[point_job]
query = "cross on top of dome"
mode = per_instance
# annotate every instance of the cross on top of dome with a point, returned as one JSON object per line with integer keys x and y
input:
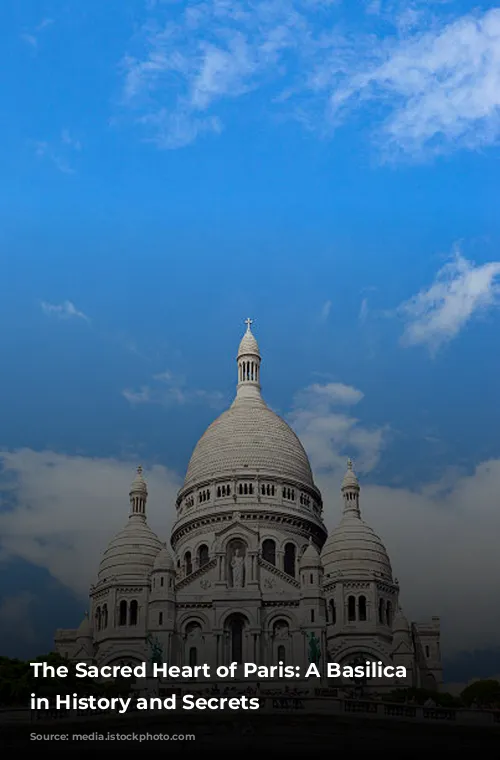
{"x": 249, "y": 323}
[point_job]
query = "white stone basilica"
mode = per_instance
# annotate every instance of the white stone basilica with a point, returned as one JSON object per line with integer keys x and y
{"x": 252, "y": 574}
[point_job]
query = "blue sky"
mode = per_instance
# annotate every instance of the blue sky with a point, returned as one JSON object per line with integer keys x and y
{"x": 329, "y": 169}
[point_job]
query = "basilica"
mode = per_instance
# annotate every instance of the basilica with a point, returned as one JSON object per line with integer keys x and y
{"x": 251, "y": 573}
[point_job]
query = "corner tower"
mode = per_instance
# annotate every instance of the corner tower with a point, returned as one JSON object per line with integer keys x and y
{"x": 361, "y": 594}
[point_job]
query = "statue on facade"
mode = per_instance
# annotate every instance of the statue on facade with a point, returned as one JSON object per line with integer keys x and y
{"x": 155, "y": 650}
{"x": 314, "y": 649}
{"x": 237, "y": 569}
{"x": 281, "y": 631}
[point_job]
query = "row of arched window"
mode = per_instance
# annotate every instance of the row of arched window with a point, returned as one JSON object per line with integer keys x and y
{"x": 202, "y": 558}
{"x": 248, "y": 371}
{"x": 268, "y": 554}
{"x": 247, "y": 489}
{"x": 101, "y": 617}
{"x": 128, "y": 614}
{"x": 289, "y": 558}
{"x": 357, "y": 610}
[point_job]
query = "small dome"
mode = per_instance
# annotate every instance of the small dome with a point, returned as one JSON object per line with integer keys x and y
{"x": 131, "y": 553}
{"x": 311, "y": 557}
{"x": 354, "y": 549}
{"x": 400, "y": 623}
{"x": 163, "y": 560}
{"x": 84, "y": 630}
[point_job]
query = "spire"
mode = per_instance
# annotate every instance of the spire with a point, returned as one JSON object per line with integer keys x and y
{"x": 138, "y": 495}
{"x": 350, "y": 491}
{"x": 248, "y": 360}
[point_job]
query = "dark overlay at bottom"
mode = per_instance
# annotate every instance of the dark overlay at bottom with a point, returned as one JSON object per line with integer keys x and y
{"x": 186, "y": 733}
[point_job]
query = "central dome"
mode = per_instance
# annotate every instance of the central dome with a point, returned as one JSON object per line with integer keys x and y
{"x": 249, "y": 435}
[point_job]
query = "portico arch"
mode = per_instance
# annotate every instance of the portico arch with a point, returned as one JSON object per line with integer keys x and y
{"x": 236, "y": 638}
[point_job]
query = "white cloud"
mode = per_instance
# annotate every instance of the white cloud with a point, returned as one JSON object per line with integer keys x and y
{"x": 434, "y": 79}
{"x": 441, "y": 87}
{"x": 167, "y": 389}
{"x": 363, "y": 310}
{"x": 32, "y": 38}
{"x": 65, "y": 310}
{"x": 66, "y": 509}
{"x": 461, "y": 289}
{"x": 59, "y": 152}
{"x": 325, "y": 310}
{"x": 16, "y": 615}
{"x": 330, "y": 436}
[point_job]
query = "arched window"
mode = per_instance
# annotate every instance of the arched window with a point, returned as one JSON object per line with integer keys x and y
{"x": 389, "y": 613}
{"x": 237, "y": 627}
{"x": 333, "y": 612}
{"x": 282, "y": 654}
{"x": 289, "y": 559}
{"x": 193, "y": 656}
{"x": 104, "y": 621}
{"x": 269, "y": 551}
{"x": 122, "y": 619}
{"x": 134, "y": 612}
{"x": 381, "y": 611}
{"x": 351, "y": 609}
{"x": 98, "y": 619}
{"x": 188, "y": 565}
{"x": 203, "y": 557}
{"x": 362, "y": 608}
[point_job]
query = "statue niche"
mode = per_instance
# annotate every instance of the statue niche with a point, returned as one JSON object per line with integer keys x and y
{"x": 281, "y": 635}
{"x": 235, "y": 563}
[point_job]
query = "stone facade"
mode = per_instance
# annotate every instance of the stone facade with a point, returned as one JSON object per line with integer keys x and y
{"x": 252, "y": 574}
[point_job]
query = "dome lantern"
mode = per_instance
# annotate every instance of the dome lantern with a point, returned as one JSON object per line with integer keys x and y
{"x": 138, "y": 495}
{"x": 248, "y": 360}
{"x": 350, "y": 491}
